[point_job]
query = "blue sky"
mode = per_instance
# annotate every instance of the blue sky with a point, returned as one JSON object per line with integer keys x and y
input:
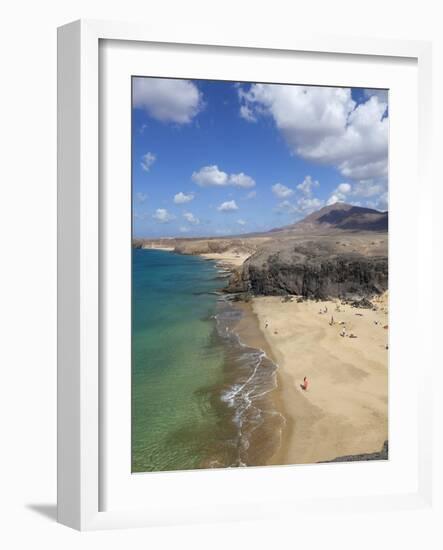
{"x": 221, "y": 158}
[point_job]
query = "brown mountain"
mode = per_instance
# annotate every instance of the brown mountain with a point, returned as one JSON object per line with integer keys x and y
{"x": 340, "y": 250}
{"x": 341, "y": 217}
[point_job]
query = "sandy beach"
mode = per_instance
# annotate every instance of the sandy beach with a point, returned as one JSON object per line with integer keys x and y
{"x": 165, "y": 248}
{"x": 345, "y": 409}
{"x": 227, "y": 259}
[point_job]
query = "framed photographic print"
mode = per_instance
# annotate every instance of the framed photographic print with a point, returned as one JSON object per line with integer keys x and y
{"x": 254, "y": 302}
{"x": 233, "y": 336}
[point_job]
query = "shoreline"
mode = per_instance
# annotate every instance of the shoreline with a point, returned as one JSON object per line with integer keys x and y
{"x": 246, "y": 329}
{"x": 226, "y": 260}
{"x": 250, "y": 334}
{"x": 164, "y": 248}
{"x": 344, "y": 412}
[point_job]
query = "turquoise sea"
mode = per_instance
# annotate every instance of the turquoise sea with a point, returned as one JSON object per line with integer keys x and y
{"x": 200, "y": 398}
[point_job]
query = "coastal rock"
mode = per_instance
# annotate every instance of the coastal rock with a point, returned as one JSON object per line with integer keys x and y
{"x": 340, "y": 251}
{"x": 383, "y": 454}
{"x": 362, "y": 303}
{"x": 312, "y": 270}
{"x": 215, "y": 246}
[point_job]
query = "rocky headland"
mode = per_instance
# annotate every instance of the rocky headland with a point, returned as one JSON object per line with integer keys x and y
{"x": 340, "y": 251}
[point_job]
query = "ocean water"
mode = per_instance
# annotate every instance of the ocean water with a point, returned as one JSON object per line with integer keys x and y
{"x": 200, "y": 398}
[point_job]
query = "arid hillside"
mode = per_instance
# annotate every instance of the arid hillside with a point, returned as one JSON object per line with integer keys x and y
{"x": 338, "y": 251}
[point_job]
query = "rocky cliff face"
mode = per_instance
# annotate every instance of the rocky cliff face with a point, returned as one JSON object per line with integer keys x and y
{"x": 203, "y": 246}
{"x": 380, "y": 455}
{"x": 339, "y": 251}
{"x": 215, "y": 246}
{"x": 312, "y": 270}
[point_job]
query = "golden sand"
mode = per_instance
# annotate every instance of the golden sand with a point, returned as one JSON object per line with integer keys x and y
{"x": 345, "y": 409}
{"x": 227, "y": 259}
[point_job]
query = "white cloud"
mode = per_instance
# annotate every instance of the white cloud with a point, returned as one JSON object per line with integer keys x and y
{"x": 167, "y": 100}
{"x": 247, "y": 113}
{"x": 340, "y": 193}
{"x": 189, "y": 217}
{"x": 241, "y": 222}
{"x": 381, "y": 94}
{"x": 306, "y": 186}
{"x": 147, "y": 161}
{"x": 370, "y": 193}
{"x": 369, "y": 188}
{"x": 325, "y": 125}
{"x": 308, "y": 205}
{"x": 344, "y": 188}
{"x": 212, "y": 176}
{"x": 228, "y": 206}
{"x": 286, "y": 206}
{"x": 373, "y": 194}
{"x": 251, "y": 195}
{"x": 380, "y": 203}
{"x": 183, "y": 229}
{"x": 182, "y": 198}
{"x": 304, "y": 206}
{"x": 281, "y": 191}
{"x": 241, "y": 180}
{"x": 163, "y": 216}
{"x": 141, "y": 197}
{"x": 333, "y": 199}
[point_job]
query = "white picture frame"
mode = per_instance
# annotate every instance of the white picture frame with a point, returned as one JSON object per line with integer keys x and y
{"x": 79, "y": 261}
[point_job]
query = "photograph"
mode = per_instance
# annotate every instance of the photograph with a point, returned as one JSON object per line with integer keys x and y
{"x": 260, "y": 299}
{"x": 225, "y": 330}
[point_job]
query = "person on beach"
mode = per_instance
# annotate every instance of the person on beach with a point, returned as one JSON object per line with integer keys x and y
{"x": 305, "y": 384}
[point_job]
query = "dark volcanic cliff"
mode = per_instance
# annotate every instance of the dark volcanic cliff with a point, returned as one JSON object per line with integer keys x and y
{"x": 318, "y": 268}
{"x": 339, "y": 251}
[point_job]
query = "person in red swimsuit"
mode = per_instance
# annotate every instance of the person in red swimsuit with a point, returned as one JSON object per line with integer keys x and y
{"x": 305, "y": 384}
